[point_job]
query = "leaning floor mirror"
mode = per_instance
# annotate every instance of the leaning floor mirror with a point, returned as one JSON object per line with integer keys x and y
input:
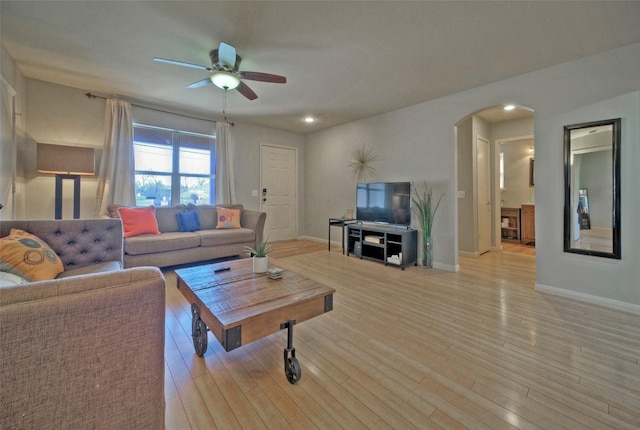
{"x": 592, "y": 188}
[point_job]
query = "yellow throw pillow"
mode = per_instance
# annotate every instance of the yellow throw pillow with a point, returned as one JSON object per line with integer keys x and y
{"x": 28, "y": 256}
{"x": 228, "y": 218}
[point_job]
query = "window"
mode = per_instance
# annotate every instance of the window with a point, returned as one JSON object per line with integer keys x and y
{"x": 173, "y": 167}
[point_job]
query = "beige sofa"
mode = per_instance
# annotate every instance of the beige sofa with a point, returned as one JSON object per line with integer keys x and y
{"x": 173, "y": 247}
{"x": 85, "y": 350}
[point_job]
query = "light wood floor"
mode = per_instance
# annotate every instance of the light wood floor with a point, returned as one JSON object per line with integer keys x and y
{"x": 478, "y": 349}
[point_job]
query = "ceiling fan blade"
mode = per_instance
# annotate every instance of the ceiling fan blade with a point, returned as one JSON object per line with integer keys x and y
{"x": 199, "y": 84}
{"x": 227, "y": 55}
{"x": 263, "y": 77}
{"x": 246, "y": 91}
{"x": 182, "y": 64}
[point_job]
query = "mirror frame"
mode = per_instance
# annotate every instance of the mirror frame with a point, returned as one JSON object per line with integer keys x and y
{"x": 615, "y": 149}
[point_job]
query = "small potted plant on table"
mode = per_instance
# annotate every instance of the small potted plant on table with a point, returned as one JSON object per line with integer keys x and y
{"x": 260, "y": 257}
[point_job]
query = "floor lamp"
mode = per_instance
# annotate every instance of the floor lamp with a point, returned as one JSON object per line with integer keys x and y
{"x": 66, "y": 162}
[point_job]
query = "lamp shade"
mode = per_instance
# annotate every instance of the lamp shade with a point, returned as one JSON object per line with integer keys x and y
{"x": 225, "y": 80}
{"x": 73, "y": 160}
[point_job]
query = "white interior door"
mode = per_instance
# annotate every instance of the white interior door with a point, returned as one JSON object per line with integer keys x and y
{"x": 484, "y": 196}
{"x": 278, "y": 191}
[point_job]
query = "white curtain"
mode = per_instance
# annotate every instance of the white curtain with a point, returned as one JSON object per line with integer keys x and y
{"x": 116, "y": 180}
{"x": 225, "y": 186}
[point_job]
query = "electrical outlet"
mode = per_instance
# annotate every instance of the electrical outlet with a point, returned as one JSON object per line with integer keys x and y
{"x": 462, "y": 194}
{"x": 254, "y": 193}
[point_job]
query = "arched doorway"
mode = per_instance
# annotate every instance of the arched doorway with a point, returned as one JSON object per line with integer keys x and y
{"x": 495, "y": 148}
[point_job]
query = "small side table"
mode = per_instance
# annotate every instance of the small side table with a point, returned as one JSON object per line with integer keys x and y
{"x": 338, "y": 222}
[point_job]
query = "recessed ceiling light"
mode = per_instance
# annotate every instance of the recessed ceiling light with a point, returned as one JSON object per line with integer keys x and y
{"x": 309, "y": 119}
{"x": 509, "y": 107}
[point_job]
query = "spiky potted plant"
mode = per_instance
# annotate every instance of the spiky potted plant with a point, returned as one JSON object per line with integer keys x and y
{"x": 260, "y": 255}
{"x": 425, "y": 209}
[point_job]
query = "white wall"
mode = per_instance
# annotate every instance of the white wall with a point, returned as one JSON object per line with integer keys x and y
{"x": 577, "y": 274}
{"x": 408, "y": 148}
{"x": 248, "y": 139}
{"x": 596, "y": 177}
{"x": 516, "y": 173}
{"x": 418, "y": 143}
{"x": 64, "y": 115}
{"x": 466, "y": 184}
{"x": 13, "y": 92}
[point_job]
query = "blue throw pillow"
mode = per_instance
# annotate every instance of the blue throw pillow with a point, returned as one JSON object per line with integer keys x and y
{"x": 188, "y": 221}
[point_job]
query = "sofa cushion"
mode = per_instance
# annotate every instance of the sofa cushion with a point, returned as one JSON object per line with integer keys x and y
{"x": 28, "y": 256}
{"x": 188, "y": 221}
{"x": 137, "y": 221}
{"x": 208, "y": 214}
{"x": 8, "y": 279}
{"x": 166, "y": 216}
{"x": 226, "y": 236}
{"x": 228, "y": 218}
{"x": 173, "y": 241}
{"x": 106, "y": 266}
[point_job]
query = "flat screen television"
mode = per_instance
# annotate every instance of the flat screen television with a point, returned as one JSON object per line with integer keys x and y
{"x": 384, "y": 202}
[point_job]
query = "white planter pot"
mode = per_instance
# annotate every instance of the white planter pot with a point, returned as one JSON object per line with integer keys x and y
{"x": 260, "y": 264}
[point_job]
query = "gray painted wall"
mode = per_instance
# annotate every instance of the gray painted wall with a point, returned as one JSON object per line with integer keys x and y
{"x": 419, "y": 142}
{"x": 9, "y": 172}
{"x": 63, "y": 115}
{"x": 596, "y": 177}
{"x": 516, "y": 174}
{"x": 466, "y": 183}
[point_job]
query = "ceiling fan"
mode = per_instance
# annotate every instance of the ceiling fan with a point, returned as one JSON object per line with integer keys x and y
{"x": 225, "y": 73}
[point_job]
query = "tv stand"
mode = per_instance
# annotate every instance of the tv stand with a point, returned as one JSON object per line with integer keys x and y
{"x": 391, "y": 245}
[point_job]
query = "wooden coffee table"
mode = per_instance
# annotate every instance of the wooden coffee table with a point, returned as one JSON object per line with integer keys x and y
{"x": 239, "y": 306}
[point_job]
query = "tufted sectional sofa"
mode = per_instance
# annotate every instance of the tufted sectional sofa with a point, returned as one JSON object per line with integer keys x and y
{"x": 85, "y": 350}
{"x": 84, "y": 246}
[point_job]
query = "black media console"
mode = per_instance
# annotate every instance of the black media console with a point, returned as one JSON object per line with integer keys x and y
{"x": 395, "y": 245}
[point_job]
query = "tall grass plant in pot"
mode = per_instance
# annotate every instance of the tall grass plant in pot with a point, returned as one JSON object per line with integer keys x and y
{"x": 260, "y": 255}
{"x": 425, "y": 208}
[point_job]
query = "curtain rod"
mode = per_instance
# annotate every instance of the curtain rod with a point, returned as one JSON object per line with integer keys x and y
{"x": 95, "y": 96}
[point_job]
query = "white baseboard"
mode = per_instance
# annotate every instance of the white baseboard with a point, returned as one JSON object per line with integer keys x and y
{"x": 446, "y": 267}
{"x": 469, "y": 254}
{"x": 588, "y": 298}
{"x": 317, "y": 239}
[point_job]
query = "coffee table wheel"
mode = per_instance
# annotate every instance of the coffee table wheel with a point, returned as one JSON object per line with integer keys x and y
{"x": 292, "y": 370}
{"x": 200, "y": 338}
{"x": 198, "y": 332}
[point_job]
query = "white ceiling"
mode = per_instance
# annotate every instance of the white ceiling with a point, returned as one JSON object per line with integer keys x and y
{"x": 344, "y": 60}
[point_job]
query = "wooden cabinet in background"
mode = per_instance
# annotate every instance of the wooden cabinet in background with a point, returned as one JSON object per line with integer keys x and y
{"x": 510, "y": 224}
{"x": 528, "y": 225}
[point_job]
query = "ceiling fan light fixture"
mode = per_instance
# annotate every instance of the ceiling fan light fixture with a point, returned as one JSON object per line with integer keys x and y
{"x": 225, "y": 80}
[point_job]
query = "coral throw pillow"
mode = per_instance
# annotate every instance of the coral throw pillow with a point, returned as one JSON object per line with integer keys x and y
{"x": 228, "y": 218}
{"x": 137, "y": 221}
{"x": 28, "y": 256}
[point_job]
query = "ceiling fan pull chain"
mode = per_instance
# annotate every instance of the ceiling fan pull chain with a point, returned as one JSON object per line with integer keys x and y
{"x": 224, "y": 104}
